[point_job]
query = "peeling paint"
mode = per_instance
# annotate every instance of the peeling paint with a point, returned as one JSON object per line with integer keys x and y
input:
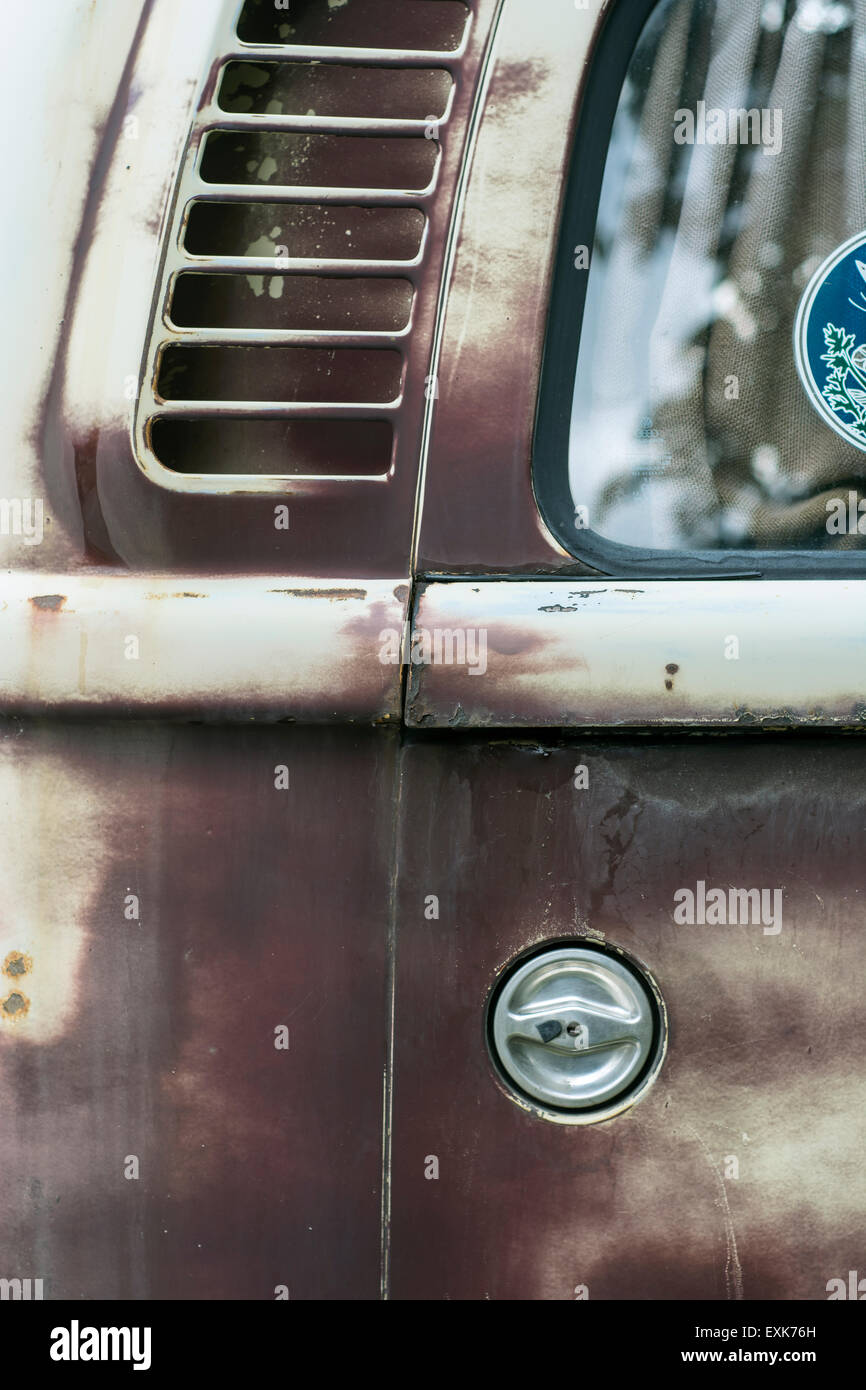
{"x": 17, "y": 963}
{"x": 14, "y": 1007}
{"x": 608, "y": 663}
{"x": 336, "y": 595}
{"x": 51, "y": 603}
{"x": 232, "y": 647}
{"x": 183, "y": 593}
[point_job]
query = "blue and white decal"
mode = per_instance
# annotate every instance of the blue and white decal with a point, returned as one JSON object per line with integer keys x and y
{"x": 830, "y": 340}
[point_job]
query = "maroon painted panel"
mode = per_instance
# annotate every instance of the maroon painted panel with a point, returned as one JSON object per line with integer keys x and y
{"x": 764, "y": 1073}
{"x": 496, "y": 313}
{"x": 97, "y": 495}
{"x": 155, "y": 1038}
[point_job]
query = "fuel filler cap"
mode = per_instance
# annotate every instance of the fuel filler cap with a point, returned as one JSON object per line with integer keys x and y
{"x": 578, "y": 1029}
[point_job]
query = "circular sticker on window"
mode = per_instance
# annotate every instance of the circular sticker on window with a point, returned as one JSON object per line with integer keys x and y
{"x": 830, "y": 340}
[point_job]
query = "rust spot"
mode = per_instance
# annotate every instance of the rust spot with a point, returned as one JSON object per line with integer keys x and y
{"x": 669, "y": 685}
{"x": 180, "y": 593}
{"x": 14, "y": 1006}
{"x": 16, "y": 963}
{"x": 50, "y": 602}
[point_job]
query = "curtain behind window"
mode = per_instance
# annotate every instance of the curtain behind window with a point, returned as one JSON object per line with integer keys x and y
{"x": 691, "y": 428}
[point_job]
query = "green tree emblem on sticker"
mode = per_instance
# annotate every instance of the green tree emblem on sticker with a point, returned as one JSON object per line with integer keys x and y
{"x": 845, "y": 385}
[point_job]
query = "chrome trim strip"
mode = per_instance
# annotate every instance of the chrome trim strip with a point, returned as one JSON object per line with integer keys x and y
{"x": 217, "y": 119}
{"x": 315, "y": 410}
{"x": 195, "y": 187}
{"x": 288, "y": 265}
{"x": 310, "y": 193}
{"x": 322, "y": 53}
{"x": 301, "y": 337}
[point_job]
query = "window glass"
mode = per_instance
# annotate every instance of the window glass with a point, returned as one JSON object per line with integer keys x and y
{"x": 720, "y": 389}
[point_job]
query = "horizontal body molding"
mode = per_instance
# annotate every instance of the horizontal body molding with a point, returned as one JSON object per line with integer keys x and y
{"x": 626, "y": 653}
{"x": 215, "y": 649}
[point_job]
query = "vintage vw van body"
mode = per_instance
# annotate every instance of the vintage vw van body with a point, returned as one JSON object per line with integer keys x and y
{"x": 432, "y": 798}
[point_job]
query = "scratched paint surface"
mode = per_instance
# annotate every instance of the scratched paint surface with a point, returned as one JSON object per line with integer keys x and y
{"x": 77, "y": 454}
{"x": 766, "y": 1031}
{"x": 498, "y": 299}
{"x": 154, "y": 1037}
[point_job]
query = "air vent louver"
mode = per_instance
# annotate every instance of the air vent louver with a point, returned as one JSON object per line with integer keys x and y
{"x": 436, "y": 25}
{"x": 292, "y": 271}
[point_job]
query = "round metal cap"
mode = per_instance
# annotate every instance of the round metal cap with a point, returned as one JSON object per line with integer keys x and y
{"x": 575, "y": 1029}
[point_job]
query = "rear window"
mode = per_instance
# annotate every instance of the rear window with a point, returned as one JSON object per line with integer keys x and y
{"x": 703, "y": 399}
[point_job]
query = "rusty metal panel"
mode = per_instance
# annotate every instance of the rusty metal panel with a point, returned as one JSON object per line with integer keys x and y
{"x": 633, "y": 653}
{"x": 74, "y": 450}
{"x": 166, "y": 906}
{"x": 490, "y": 348}
{"x": 739, "y": 1175}
{"x": 103, "y": 96}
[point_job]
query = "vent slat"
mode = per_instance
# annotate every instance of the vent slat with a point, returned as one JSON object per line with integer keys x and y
{"x": 384, "y": 58}
{"x": 306, "y": 410}
{"x": 294, "y": 337}
{"x": 299, "y": 193}
{"x": 214, "y": 120}
{"x": 273, "y": 265}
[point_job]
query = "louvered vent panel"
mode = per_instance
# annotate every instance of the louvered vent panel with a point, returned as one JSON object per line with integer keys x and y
{"x": 288, "y": 298}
